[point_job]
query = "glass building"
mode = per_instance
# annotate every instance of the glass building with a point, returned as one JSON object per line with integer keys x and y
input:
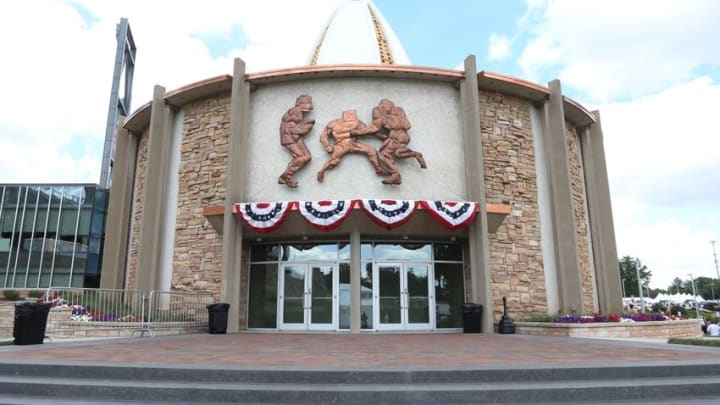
{"x": 51, "y": 235}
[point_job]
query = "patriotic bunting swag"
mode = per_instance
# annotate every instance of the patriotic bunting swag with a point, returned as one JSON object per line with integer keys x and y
{"x": 325, "y": 215}
{"x": 263, "y": 217}
{"x": 389, "y": 213}
{"x": 451, "y": 214}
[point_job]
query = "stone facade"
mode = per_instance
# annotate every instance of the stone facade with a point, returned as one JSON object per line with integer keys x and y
{"x": 582, "y": 226}
{"x": 197, "y": 259}
{"x": 510, "y": 178}
{"x": 138, "y": 194}
{"x": 658, "y": 329}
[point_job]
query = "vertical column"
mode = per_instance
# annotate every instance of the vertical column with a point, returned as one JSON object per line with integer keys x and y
{"x": 563, "y": 214}
{"x": 355, "y": 298}
{"x": 114, "y": 259}
{"x": 151, "y": 223}
{"x": 234, "y": 192}
{"x": 475, "y": 184}
{"x": 602, "y": 230}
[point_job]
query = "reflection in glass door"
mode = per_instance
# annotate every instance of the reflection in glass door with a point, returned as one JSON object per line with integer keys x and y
{"x": 403, "y": 298}
{"x": 308, "y": 298}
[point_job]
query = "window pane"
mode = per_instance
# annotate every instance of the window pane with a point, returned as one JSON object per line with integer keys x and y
{"x": 344, "y": 298}
{"x": 448, "y": 252}
{"x": 264, "y": 253}
{"x": 262, "y": 305}
{"x": 449, "y": 294}
{"x": 297, "y": 252}
{"x": 366, "y": 299}
{"x": 403, "y": 251}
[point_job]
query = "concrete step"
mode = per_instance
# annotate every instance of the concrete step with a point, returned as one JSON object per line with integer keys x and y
{"x": 98, "y": 384}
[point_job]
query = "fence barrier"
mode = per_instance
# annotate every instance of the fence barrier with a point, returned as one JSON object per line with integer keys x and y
{"x": 88, "y": 312}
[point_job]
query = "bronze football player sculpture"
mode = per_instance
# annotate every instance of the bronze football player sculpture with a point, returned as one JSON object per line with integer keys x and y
{"x": 391, "y": 123}
{"x": 340, "y": 129}
{"x": 292, "y": 130}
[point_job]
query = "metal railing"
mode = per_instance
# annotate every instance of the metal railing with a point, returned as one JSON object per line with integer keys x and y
{"x": 94, "y": 312}
{"x": 86, "y": 311}
{"x": 169, "y": 309}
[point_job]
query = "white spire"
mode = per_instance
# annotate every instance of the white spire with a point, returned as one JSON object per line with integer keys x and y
{"x": 358, "y": 33}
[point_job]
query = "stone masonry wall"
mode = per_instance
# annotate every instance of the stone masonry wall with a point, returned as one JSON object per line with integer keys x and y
{"x": 197, "y": 263}
{"x": 509, "y": 160}
{"x": 140, "y": 171}
{"x": 582, "y": 228}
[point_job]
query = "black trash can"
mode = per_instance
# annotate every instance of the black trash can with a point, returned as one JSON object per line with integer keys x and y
{"x": 30, "y": 322}
{"x": 472, "y": 318}
{"x": 217, "y": 318}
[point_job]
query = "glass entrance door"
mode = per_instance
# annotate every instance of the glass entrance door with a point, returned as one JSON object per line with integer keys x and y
{"x": 403, "y": 296}
{"x": 308, "y": 297}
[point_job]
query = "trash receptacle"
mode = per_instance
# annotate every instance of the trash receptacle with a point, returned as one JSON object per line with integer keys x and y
{"x": 217, "y": 318}
{"x": 30, "y": 322}
{"x": 472, "y": 318}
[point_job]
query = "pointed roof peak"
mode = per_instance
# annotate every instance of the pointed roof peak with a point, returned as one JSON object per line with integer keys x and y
{"x": 358, "y": 33}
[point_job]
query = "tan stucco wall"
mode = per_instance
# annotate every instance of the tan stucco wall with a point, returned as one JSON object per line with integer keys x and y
{"x": 515, "y": 249}
{"x": 582, "y": 226}
{"x": 431, "y": 107}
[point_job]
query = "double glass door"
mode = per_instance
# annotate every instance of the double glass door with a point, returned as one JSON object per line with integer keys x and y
{"x": 403, "y": 298}
{"x": 308, "y": 296}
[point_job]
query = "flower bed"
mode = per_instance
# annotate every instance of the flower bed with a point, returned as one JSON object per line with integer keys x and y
{"x": 650, "y": 326}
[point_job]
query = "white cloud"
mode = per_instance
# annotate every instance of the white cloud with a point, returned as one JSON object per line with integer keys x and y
{"x": 663, "y": 159}
{"x": 57, "y": 67}
{"x": 607, "y": 49}
{"x": 499, "y": 47}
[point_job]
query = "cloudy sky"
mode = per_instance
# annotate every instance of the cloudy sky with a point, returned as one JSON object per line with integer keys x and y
{"x": 651, "y": 67}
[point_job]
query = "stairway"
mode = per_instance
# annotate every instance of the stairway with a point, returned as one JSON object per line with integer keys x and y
{"x": 22, "y": 383}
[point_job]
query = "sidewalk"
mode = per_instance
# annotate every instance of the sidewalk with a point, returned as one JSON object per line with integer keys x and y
{"x": 363, "y": 351}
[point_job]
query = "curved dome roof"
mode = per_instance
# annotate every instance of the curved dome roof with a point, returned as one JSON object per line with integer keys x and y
{"x": 358, "y": 33}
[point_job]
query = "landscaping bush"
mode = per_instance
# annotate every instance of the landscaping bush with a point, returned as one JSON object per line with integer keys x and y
{"x": 695, "y": 342}
{"x": 36, "y": 293}
{"x": 11, "y": 295}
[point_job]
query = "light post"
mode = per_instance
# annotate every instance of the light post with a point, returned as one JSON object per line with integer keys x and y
{"x": 716, "y": 263}
{"x": 640, "y": 291}
{"x": 697, "y": 311}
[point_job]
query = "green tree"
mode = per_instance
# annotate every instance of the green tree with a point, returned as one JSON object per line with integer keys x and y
{"x": 629, "y": 267}
{"x": 676, "y": 287}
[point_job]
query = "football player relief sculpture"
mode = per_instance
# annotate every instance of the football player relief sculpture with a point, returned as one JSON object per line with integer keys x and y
{"x": 389, "y": 123}
{"x": 292, "y": 130}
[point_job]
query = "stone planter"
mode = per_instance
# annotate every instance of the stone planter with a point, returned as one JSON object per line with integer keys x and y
{"x": 689, "y": 328}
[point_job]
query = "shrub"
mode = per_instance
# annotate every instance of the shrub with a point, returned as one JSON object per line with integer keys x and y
{"x": 36, "y": 293}
{"x": 11, "y": 295}
{"x": 695, "y": 342}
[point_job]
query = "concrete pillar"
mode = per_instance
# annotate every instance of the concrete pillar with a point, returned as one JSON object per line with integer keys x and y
{"x": 235, "y": 192}
{"x": 475, "y": 184}
{"x": 115, "y": 252}
{"x": 602, "y": 230}
{"x": 355, "y": 288}
{"x": 563, "y": 214}
{"x": 151, "y": 223}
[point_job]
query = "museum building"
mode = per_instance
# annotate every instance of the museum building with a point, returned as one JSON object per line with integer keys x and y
{"x": 393, "y": 194}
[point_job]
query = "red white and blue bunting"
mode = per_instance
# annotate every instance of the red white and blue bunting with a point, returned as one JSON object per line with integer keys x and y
{"x": 325, "y": 215}
{"x": 389, "y": 214}
{"x": 263, "y": 217}
{"x": 451, "y": 214}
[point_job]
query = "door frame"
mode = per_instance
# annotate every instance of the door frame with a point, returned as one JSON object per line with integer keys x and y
{"x": 404, "y": 297}
{"x": 307, "y": 323}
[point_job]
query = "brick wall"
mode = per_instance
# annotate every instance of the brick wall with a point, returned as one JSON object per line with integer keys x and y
{"x": 197, "y": 256}
{"x": 140, "y": 171}
{"x": 582, "y": 228}
{"x": 510, "y": 178}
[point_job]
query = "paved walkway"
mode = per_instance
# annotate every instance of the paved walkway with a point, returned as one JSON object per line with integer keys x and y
{"x": 364, "y": 351}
